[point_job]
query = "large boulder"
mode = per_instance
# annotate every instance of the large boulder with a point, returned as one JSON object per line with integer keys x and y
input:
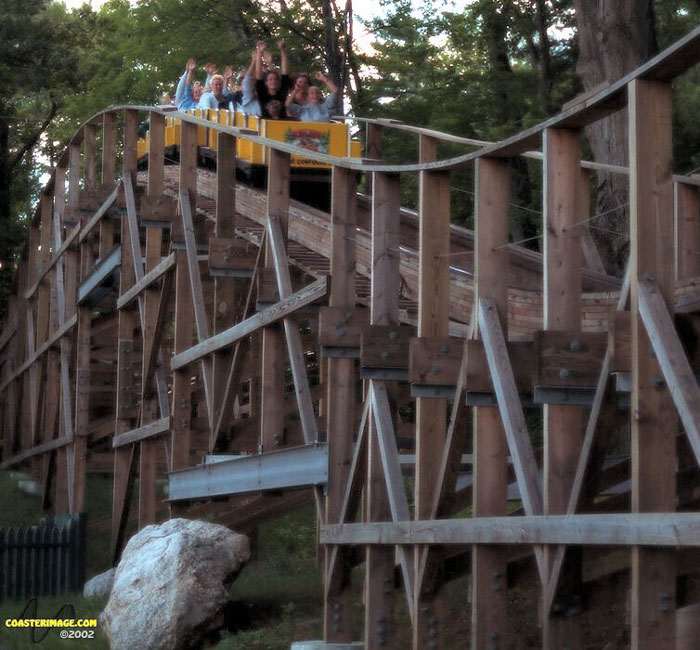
{"x": 100, "y": 585}
{"x": 169, "y": 590}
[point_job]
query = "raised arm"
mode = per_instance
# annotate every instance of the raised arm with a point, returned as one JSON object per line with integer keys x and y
{"x": 259, "y": 49}
{"x": 185, "y": 81}
{"x": 284, "y": 63}
{"x": 328, "y": 82}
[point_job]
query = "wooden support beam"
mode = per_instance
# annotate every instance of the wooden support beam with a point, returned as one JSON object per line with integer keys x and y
{"x": 87, "y": 229}
{"x": 511, "y": 411}
{"x": 38, "y": 450}
{"x": 272, "y": 362}
{"x": 109, "y": 144}
{"x": 563, "y": 424}
{"x": 431, "y": 414}
{"x": 200, "y": 314}
{"x": 664, "y": 530}
{"x": 654, "y": 420}
{"x": 184, "y": 316}
{"x": 586, "y": 451}
{"x": 148, "y": 453}
{"x": 346, "y": 473}
{"x": 147, "y": 431}
{"x": 59, "y": 255}
{"x": 490, "y": 469}
{"x": 393, "y": 479}
{"x": 296, "y": 301}
{"x": 351, "y": 495}
{"x": 677, "y": 373}
{"x": 225, "y": 289}
{"x": 384, "y": 311}
{"x": 294, "y": 345}
{"x": 239, "y": 352}
{"x": 165, "y": 265}
{"x": 125, "y": 459}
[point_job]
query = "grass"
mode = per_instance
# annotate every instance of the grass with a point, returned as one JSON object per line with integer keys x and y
{"x": 19, "y": 508}
{"x": 279, "y": 592}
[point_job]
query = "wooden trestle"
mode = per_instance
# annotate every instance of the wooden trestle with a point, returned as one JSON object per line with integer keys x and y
{"x": 155, "y": 314}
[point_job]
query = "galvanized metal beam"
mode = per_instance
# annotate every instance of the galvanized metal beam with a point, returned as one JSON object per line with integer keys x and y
{"x": 297, "y": 467}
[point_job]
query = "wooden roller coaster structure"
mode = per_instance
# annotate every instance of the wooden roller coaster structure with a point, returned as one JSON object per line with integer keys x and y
{"x": 160, "y": 316}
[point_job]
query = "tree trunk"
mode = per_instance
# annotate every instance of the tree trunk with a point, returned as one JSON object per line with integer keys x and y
{"x": 615, "y": 37}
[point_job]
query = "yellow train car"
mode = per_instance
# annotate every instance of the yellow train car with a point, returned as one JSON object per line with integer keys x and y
{"x": 333, "y": 138}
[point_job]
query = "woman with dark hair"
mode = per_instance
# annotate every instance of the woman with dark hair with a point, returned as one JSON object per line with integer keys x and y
{"x": 271, "y": 85}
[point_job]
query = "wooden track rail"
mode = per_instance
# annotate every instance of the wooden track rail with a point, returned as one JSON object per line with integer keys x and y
{"x": 164, "y": 315}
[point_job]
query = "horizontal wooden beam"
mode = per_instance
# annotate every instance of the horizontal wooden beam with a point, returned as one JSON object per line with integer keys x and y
{"x": 648, "y": 529}
{"x": 35, "y": 451}
{"x": 285, "y": 307}
{"x": 150, "y": 430}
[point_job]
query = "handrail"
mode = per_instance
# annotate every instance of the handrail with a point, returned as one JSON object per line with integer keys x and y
{"x": 674, "y": 60}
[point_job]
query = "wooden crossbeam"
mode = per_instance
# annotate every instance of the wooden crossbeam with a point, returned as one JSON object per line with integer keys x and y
{"x": 55, "y": 337}
{"x": 101, "y": 211}
{"x": 55, "y": 258}
{"x": 138, "y": 269}
{"x": 511, "y": 411}
{"x": 670, "y": 530}
{"x": 294, "y": 346}
{"x": 351, "y": 495}
{"x": 233, "y": 375}
{"x": 678, "y": 374}
{"x": 512, "y": 416}
{"x": 146, "y": 281}
{"x": 296, "y": 301}
{"x": 43, "y": 448}
{"x": 384, "y": 430}
{"x": 150, "y": 430}
{"x": 200, "y": 314}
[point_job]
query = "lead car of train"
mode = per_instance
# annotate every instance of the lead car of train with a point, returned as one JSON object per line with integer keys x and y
{"x": 310, "y": 179}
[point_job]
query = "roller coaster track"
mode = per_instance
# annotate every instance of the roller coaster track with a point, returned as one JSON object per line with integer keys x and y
{"x": 173, "y": 322}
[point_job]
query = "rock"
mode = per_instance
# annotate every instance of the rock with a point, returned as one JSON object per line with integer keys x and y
{"x": 170, "y": 586}
{"x": 100, "y": 585}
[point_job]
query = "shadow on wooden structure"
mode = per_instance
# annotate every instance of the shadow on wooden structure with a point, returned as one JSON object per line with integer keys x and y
{"x": 171, "y": 322}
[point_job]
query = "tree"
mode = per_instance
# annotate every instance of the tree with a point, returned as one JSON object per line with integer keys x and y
{"x": 37, "y": 71}
{"x": 614, "y": 38}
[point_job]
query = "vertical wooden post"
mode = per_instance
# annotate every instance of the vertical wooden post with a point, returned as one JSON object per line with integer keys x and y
{"x": 489, "y": 563}
{"x": 109, "y": 145}
{"x": 82, "y": 362}
{"x": 154, "y": 244}
{"x": 384, "y": 310}
{"x": 59, "y": 285}
{"x": 224, "y": 288}
{"x": 654, "y": 418}
{"x": 563, "y": 425}
{"x": 76, "y": 479}
{"x": 272, "y": 405}
{"x": 125, "y": 457}
{"x": 184, "y": 316}
{"x": 341, "y": 401}
{"x": 686, "y": 211}
{"x": 431, "y": 413}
